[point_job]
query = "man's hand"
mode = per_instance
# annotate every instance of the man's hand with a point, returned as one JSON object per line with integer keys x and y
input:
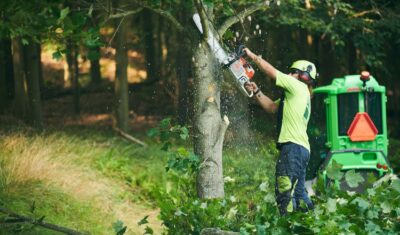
{"x": 251, "y": 87}
{"x": 266, "y": 67}
{"x": 249, "y": 53}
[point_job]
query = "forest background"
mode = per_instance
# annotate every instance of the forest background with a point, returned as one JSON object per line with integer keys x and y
{"x": 82, "y": 84}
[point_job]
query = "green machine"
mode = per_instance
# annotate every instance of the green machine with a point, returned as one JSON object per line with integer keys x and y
{"x": 348, "y": 125}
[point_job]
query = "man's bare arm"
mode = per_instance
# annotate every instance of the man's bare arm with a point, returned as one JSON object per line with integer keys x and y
{"x": 266, "y": 67}
{"x": 266, "y": 103}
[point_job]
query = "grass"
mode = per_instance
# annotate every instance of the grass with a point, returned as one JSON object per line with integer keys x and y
{"x": 84, "y": 179}
{"x": 58, "y": 207}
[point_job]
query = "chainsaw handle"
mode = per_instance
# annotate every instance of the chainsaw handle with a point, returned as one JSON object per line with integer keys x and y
{"x": 246, "y": 92}
{"x": 239, "y": 51}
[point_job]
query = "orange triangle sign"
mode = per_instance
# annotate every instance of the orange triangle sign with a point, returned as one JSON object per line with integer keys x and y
{"x": 362, "y": 128}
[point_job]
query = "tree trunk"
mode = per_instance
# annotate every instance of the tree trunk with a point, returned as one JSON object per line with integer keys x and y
{"x": 95, "y": 74}
{"x": 121, "y": 79}
{"x": 3, "y": 77}
{"x": 9, "y": 69}
{"x": 95, "y": 53}
{"x": 20, "y": 87}
{"x": 209, "y": 128}
{"x": 38, "y": 49}
{"x": 152, "y": 66}
{"x": 73, "y": 72}
{"x": 32, "y": 68}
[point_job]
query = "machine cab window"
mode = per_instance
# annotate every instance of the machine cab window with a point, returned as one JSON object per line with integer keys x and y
{"x": 347, "y": 109}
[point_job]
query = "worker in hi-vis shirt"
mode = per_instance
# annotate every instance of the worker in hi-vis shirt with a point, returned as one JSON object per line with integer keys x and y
{"x": 293, "y": 111}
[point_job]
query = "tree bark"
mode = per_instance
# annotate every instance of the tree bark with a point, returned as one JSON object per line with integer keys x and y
{"x": 73, "y": 72}
{"x": 20, "y": 87}
{"x": 121, "y": 78}
{"x": 95, "y": 53}
{"x": 152, "y": 66}
{"x": 38, "y": 49}
{"x": 9, "y": 72}
{"x": 209, "y": 128}
{"x": 4, "y": 99}
{"x": 32, "y": 68}
{"x": 95, "y": 74}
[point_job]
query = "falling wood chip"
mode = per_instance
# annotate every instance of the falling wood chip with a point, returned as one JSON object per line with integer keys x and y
{"x": 211, "y": 88}
{"x": 226, "y": 120}
{"x": 210, "y": 99}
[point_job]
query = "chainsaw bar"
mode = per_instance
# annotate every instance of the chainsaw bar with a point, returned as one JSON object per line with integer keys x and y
{"x": 240, "y": 69}
{"x": 216, "y": 48}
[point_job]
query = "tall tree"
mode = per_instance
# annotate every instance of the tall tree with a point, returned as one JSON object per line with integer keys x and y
{"x": 121, "y": 76}
{"x": 6, "y": 74}
{"x": 95, "y": 73}
{"x": 32, "y": 70}
{"x": 209, "y": 127}
{"x": 94, "y": 52}
{"x": 73, "y": 73}
{"x": 152, "y": 45}
{"x": 20, "y": 85}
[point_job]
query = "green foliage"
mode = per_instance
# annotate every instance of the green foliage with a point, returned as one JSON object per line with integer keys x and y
{"x": 353, "y": 179}
{"x": 334, "y": 172}
{"x": 49, "y": 21}
{"x": 119, "y": 227}
{"x": 369, "y": 26}
{"x": 144, "y": 220}
{"x": 249, "y": 206}
{"x": 180, "y": 159}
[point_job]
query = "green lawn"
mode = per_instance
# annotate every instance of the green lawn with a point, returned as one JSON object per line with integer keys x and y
{"x": 79, "y": 178}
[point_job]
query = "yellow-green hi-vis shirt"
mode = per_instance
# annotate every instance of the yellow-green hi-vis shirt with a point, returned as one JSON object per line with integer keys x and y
{"x": 296, "y": 110}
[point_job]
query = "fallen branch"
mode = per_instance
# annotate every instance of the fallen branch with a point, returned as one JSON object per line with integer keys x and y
{"x": 129, "y": 137}
{"x": 25, "y": 219}
{"x": 216, "y": 231}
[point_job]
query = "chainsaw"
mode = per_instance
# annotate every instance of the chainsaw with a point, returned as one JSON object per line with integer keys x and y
{"x": 240, "y": 69}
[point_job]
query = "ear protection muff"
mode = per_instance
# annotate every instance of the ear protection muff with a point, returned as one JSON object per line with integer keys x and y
{"x": 305, "y": 76}
{"x": 305, "y": 70}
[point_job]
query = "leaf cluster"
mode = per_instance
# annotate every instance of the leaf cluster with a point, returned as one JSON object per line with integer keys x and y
{"x": 255, "y": 212}
{"x": 180, "y": 159}
{"x": 369, "y": 25}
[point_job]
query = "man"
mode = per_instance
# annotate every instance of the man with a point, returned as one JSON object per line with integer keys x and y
{"x": 293, "y": 111}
